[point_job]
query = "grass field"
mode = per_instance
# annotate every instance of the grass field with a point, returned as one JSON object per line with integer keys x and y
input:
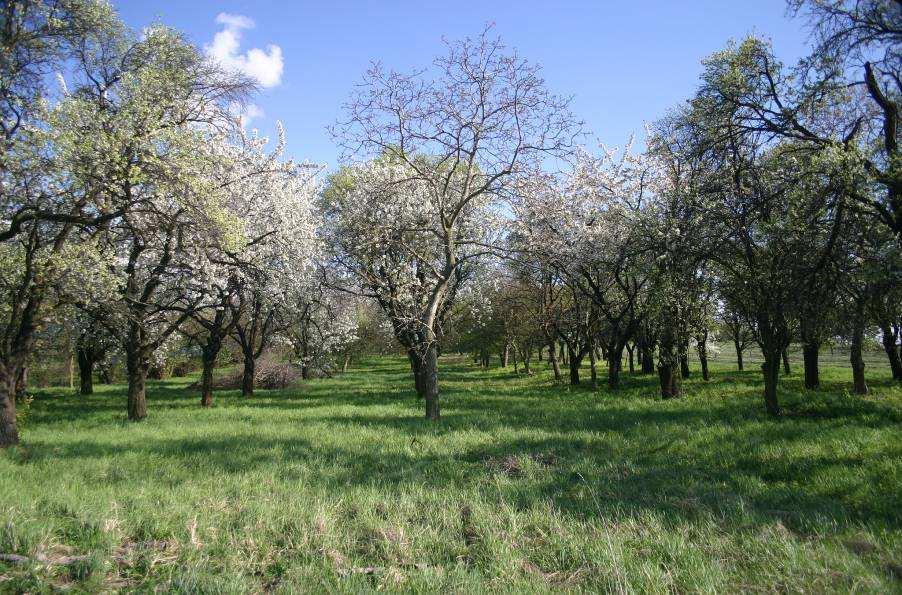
{"x": 522, "y": 487}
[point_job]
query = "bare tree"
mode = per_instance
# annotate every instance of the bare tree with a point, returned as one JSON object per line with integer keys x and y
{"x": 462, "y": 132}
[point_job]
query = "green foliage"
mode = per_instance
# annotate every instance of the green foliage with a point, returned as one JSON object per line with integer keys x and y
{"x": 23, "y": 404}
{"x": 524, "y": 486}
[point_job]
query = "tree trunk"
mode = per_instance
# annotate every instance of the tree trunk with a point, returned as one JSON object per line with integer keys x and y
{"x": 593, "y": 368}
{"x": 573, "y": 360}
{"x": 738, "y": 347}
{"x": 810, "y": 353}
{"x": 247, "y": 377}
{"x": 505, "y": 355}
{"x": 631, "y": 351}
{"x": 345, "y": 363}
{"x": 136, "y": 365}
{"x": 21, "y": 382}
{"x": 703, "y": 358}
{"x": 786, "y": 369}
{"x": 209, "y": 353}
{"x": 555, "y": 364}
{"x": 670, "y": 380}
{"x": 9, "y": 432}
{"x": 206, "y": 384}
{"x": 860, "y": 386}
{"x": 430, "y": 382}
{"x": 85, "y": 372}
{"x": 416, "y": 368}
{"x": 684, "y": 363}
{"x": 702, "y": 346}
{"x": 668, "y": 363}
{"x": 892, "y": 350}
{"x": 771, "y": 370}
{"x": 615, "y": 362}
{"x": 648, "y": 358}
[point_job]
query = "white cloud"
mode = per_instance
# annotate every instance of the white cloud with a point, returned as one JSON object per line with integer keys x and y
{"x": 264, "y": 66}
{"x": 246, "y": 112}
{"x": 235, "y": 21}
{"x": 250, "y": 112}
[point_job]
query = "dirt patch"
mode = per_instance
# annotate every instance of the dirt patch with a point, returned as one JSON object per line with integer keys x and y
{"x": 512, "y": 465}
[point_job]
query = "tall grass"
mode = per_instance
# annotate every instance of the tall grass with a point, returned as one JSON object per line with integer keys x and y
{"x": 524, "y": 486}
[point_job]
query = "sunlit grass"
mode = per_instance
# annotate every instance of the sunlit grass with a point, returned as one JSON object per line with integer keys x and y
{"x": 523, "y": 486}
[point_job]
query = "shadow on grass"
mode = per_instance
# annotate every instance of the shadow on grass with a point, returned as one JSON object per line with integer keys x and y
{"x": 588, "y": 453}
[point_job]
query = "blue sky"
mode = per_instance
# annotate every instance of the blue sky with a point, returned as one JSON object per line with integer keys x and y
{"x": 625, "y": 62}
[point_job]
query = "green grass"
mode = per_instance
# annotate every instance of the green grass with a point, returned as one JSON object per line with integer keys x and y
{"x": 522, "y": 487}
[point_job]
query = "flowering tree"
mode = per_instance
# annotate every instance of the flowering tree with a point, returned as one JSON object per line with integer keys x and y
{"x": 587, "y": 226}
{"x": 39, "y": 208}
{"x": 144, "y": 133}
{"x": 277, "y": 259}
{"x": 447, "y": 147}
{"x": 320, "y": 323}
{"x": 380, "y": 238}
{"x": 773, "y": 199}
{"x": 269, "y": 202}
{"x": 477, "y": 322}
{"x": 92, "y": 343}
{"x": 499, "y": 310}
{"x": 848, "y": 88}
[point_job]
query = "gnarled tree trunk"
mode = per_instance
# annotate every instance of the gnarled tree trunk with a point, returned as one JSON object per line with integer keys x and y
{"x": 85, "y": 372}
{"x": 9, "y": 432}
{"x": 702, "y": 345}
{"x": 668, "y": 366}
{"x": 890, "y": 336}
{"x": 670, "y": 380}
{"x": 648, "y": 358}
{"x": 527, "y": 359}
{"x": 574, "y": 360}
{"x": 738, "y": 347}
{"x": 247, "y": 376}
{"x": 555, "y": 364}
{"x": 684, "y": 362}
{"x": 209, "y": 353}
{"x": 771, "y": 370}
{"x": 860, "y": 386}
{"x": 136, "y": 365}
{"x": 430, "y": 382}
{"x": 810, "y": 353}
{"x": 615, "y": 363}
{"x": 593, "y": 368}
{"x": 416, "y": 367}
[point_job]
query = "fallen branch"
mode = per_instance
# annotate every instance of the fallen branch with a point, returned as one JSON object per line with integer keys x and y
{"x": 345, "y": 572}
{"x": 42, "y": 559}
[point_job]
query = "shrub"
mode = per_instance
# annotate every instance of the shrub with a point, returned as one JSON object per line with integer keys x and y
{"x": 271, "y": 373}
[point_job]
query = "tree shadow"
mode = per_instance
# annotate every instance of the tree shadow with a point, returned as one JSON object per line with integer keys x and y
{"x": 588, "y": 454}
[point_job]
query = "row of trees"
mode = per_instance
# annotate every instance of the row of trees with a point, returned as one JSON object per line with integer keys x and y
{"x": 768, "y": 202}
{"x": 134, "y": 201}
{"x": 135, "y": 207}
